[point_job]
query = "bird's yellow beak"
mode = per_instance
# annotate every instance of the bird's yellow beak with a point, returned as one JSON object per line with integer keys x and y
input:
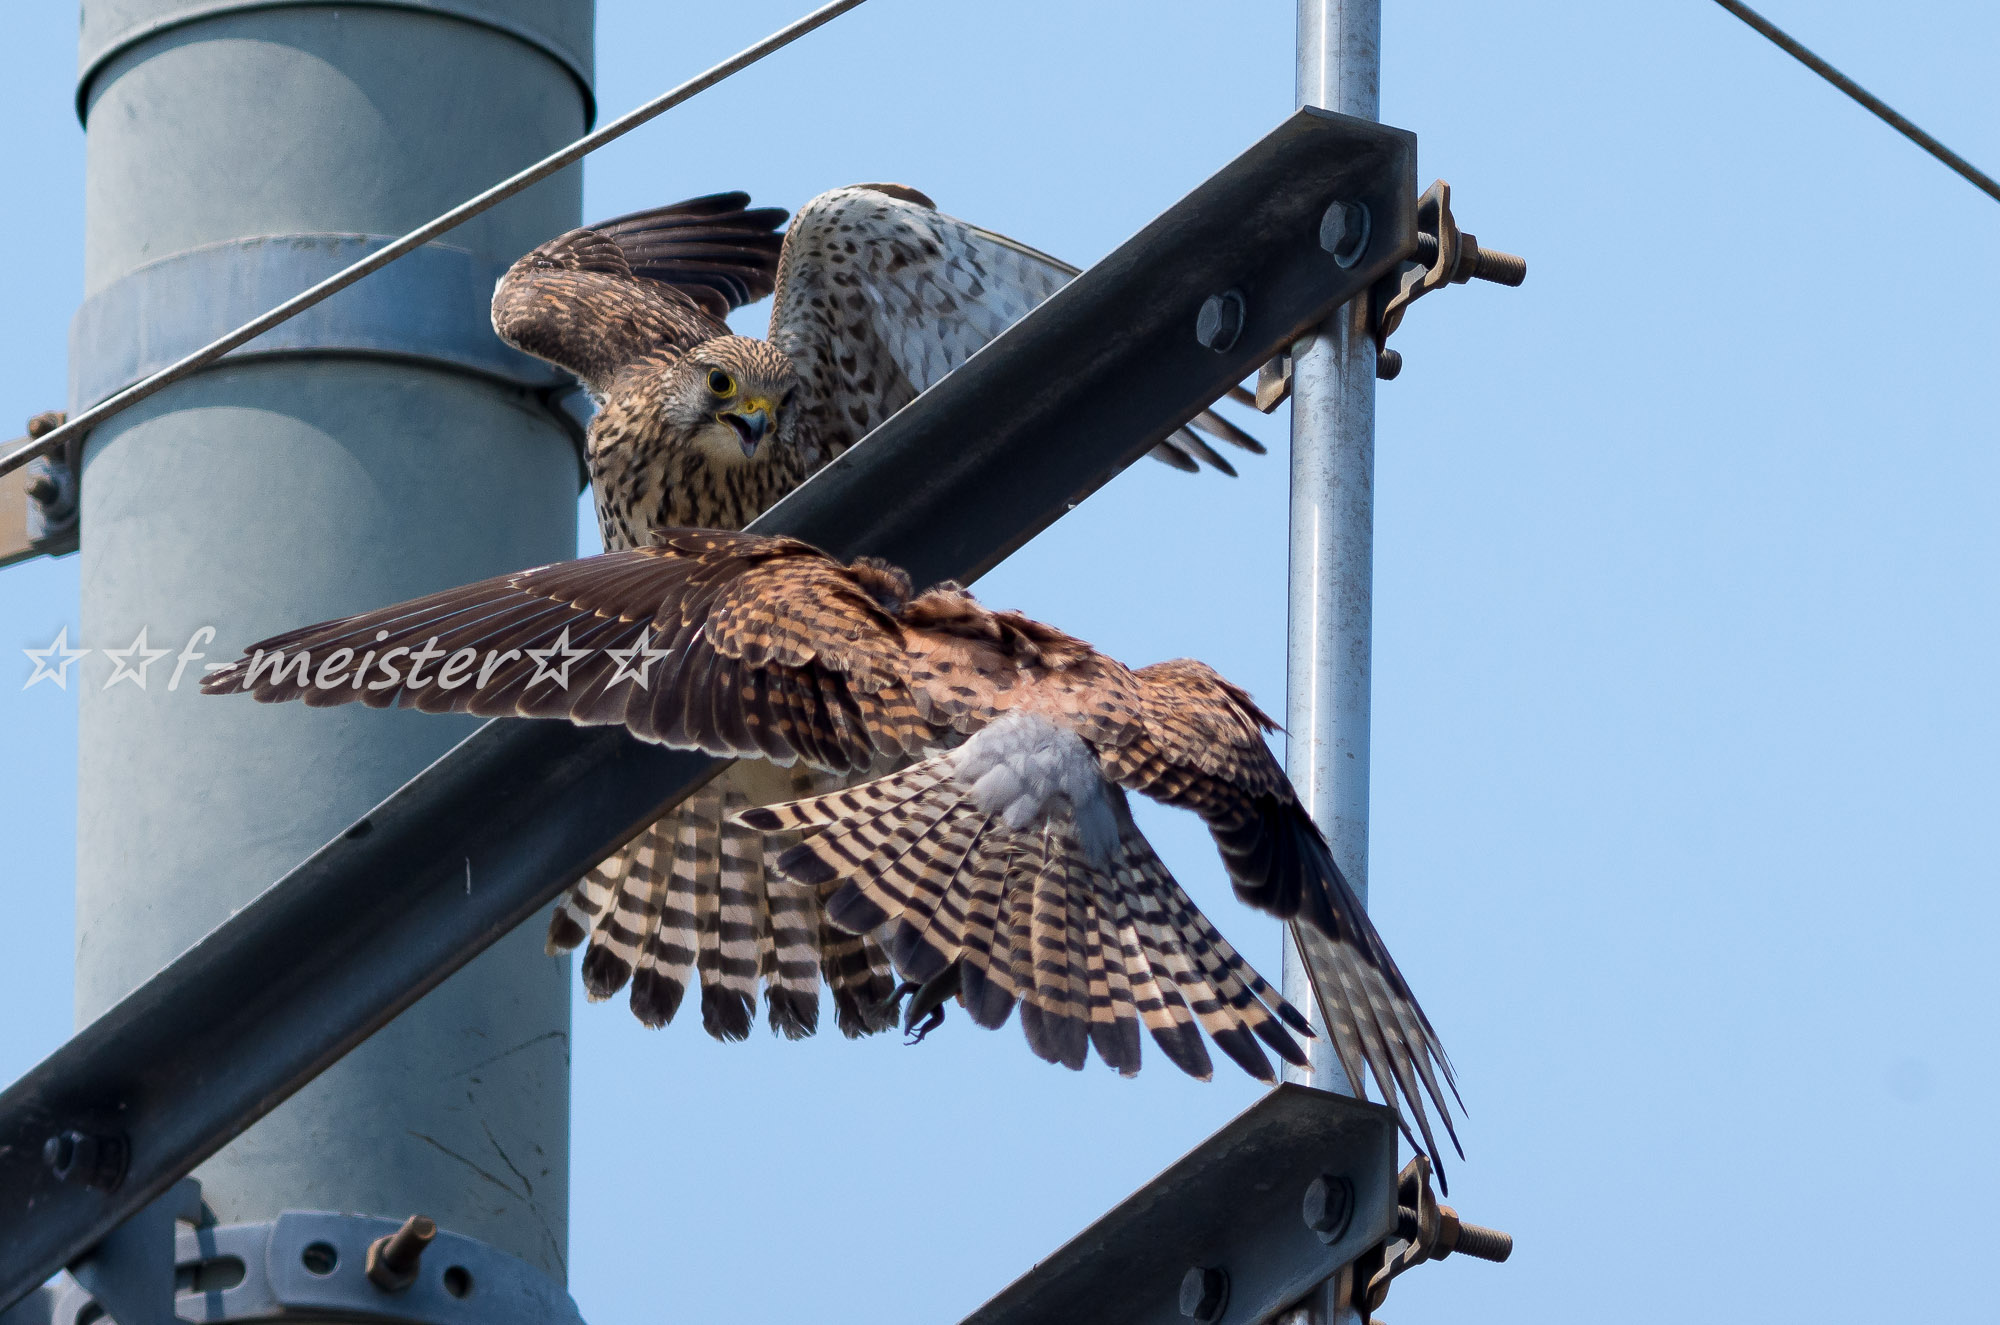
{"x": 751, "y": 419}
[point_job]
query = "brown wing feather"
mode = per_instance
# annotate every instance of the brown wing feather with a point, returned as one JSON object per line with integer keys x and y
{"x": 596, "y": 298}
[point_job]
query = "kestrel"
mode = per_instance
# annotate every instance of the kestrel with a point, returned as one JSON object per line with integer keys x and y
{"x": 877, "y": 296}
{"x": 1003, "y": 865}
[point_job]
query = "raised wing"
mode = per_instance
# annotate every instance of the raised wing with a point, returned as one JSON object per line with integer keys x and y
{"x": 599, "y": 297}
{"x": 880, "y": 295}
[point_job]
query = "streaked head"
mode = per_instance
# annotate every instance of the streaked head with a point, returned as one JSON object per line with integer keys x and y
{"x": 733, "y": 399}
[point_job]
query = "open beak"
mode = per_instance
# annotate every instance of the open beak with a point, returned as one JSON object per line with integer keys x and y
{"x": 751, "y": 422}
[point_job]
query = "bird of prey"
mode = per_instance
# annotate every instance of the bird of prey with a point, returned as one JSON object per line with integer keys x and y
{"x": 1003, "y": 864}
{"x": 877, "y": 296}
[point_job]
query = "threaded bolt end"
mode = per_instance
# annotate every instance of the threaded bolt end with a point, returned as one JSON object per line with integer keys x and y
{"x": 1500, "y": 268}
{"x": 1486, "y": 1244}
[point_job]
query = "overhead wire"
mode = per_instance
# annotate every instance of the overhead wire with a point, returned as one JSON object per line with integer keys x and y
{"x": 1882, "y": 109}
{"x": 51, "y": 441}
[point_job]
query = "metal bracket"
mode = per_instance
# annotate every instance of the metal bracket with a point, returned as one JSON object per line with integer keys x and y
{"x": 305, "y": 1262}
{"x": 1262, "y": 1214}
{"x": 310, "y": 1262}
{"x": 1425, "y": 1231}
{"x": 38, "y": 502}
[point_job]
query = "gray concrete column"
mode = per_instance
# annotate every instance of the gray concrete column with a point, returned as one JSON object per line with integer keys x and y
{"x": 283, "y": 489}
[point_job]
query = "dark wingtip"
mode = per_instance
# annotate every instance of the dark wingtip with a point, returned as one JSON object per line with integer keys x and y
{"x": 985, "y": 1001}
{"x": 725, "y": 1014}
{"x": 655, "y": 998}
{"x": 761, "y": 818}
{"x": 604, "y": 973}
{"x": 1183, "y": 1047}
{"x": 792, "y": 1014}
{"x": 849, "y": 908}
{"x": 803, "y": 864}
{"x": 564, "y": 934}
{"x": 1241, "y": 1046}
{"x": 914, "y": 955}
{"x": 1117, "y": 1043}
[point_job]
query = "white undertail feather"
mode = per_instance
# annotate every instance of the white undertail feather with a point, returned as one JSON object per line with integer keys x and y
{"x": 1024, "y": 770}
{"x": 1013, "y": 858}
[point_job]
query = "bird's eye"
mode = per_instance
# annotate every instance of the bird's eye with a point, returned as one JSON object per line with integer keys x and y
{"x": 721, "y": 383}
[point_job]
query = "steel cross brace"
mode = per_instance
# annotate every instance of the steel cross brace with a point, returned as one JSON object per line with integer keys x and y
{"x": 971, "y": 470}
{"x": 1245, "y": 1225}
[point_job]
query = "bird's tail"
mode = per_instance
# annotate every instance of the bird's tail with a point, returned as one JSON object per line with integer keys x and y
{"x": 1089, "y": 953}
{"x": 696, "y": 897}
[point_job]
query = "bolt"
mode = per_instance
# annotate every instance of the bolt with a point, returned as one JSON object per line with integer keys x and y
{"x": 46, "y": 422}
{"x": 1388, "y": 363}
{"x": 1220, "y": 321}
{"x": 1486, "y": 1244}
{"x": 393, "y": 1258}
{"x": 44, "y": 489}
{"x": 94, "y": 1161}
{"x": 1488, "y": 264}
{"x": 1204, "y": 1293}
{"x": 1329, "y": 1206}
{"x": 1343, "y": 232}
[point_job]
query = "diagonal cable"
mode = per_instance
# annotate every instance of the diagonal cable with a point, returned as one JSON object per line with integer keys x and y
{"x": 423, "y": 234}
{"x": 1882, "y": 109}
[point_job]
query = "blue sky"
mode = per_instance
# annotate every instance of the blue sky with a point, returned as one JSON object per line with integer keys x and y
{"x": 1684, "y": 790}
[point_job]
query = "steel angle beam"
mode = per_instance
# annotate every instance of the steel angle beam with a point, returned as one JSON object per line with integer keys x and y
{"x": 489, "y": 834}
{"x": 1228, "y": 1223}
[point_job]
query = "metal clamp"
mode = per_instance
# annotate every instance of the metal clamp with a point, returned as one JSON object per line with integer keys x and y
{"x": 1425, "y": 1231}
{"x": 1445, "y": 256}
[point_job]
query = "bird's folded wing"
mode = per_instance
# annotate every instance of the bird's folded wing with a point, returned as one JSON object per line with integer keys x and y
{"x": 880, "y": 295}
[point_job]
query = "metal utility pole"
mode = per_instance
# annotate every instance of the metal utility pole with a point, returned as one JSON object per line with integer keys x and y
{"x": 1333, "y": 516}
{"x": 386, "y": 444}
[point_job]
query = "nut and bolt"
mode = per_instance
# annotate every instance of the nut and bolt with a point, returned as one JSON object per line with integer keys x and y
{"x": 44, "y": 489}
{"x": 1329, "y": 1206}
{"x": 1486, "y": 1244}
{"x": 393, "y": 1260}
{"x": 1487, "y": 264}
{"x": 1343, "y": 232}
{"x": 95, "y": 1161}
{"x": 1220, "y": 321}
{"x": 1204, "y": 1293}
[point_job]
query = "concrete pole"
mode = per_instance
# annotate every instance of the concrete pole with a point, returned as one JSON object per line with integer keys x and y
{"x": 397, "y": 453}
{"x": 1333, "y": 516}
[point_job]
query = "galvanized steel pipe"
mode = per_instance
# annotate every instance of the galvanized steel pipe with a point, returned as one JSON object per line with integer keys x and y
{"x": 1333, "y": 517}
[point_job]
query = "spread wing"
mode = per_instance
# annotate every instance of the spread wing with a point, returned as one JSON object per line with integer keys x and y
{"x": 596, "y": 298}
{"x": 1203, "y": 749}
{"x": 880, "y": 295}
{"x": 729, "y": 643}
